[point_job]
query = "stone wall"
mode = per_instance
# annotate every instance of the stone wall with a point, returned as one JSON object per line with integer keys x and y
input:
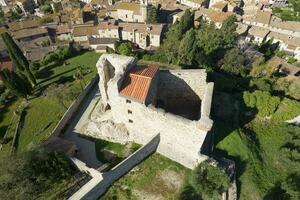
{"x": 122, "y": 168}
{"x": 181, "y": 138}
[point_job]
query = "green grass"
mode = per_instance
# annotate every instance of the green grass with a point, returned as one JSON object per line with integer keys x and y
{"x": 147, "y": 178}
{"x": 43, "y": 111}
{"x": 121, "y": 151}
{"x": 254, "y": 144}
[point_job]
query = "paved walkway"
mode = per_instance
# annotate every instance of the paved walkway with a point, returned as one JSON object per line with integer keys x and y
{"x": 86, "y": 148}
{"x": 96, "y": 178}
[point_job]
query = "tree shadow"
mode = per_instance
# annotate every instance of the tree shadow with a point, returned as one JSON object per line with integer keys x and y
{"x": 3, "y": 110}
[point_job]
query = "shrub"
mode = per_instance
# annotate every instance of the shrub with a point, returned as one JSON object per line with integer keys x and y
{"x": 209, "y": 181}
{"x": 265, "y": 104}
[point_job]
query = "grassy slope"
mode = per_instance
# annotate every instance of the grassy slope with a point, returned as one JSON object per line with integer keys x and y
{"x": 42, "y": 110}
{"x": 146, "y": 177}
{"x": 255, "y": 149}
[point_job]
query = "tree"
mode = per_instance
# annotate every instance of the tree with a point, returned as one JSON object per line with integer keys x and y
{"x": 186, "y": 22}
{"x": 46, "y": 8}
{"x": 209, "y": 181}
{"x": 57, "y": 93}
{"x": 18, "y": 58}
{"x": 19, "y": 86}
{"x": 229, "y": 31}
{"x": 291, "y": 187}
{"x": 125, "y": 48}
{"x": 187, "y": 48}
{"x": 152, "y": 14}
{"x": 28, "y": 175}
{"x": 233, "y": 62}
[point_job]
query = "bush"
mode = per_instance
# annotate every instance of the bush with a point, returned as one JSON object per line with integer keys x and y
{"x": 265, "y": 104}
{"x": 209, "y": 181}
{"x": 125, "y": 48}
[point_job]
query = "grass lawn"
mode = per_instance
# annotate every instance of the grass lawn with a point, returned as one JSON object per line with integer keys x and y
{"x": 255, "y": 147}
{"x": 43, "y": 113}
{"x": 157, "y": 177}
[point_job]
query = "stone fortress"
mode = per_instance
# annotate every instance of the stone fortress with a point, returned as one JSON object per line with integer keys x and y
{"x": 138, "y": 102}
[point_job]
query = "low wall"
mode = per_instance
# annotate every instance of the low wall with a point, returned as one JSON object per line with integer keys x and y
{"x": 122, "y": 168}
{"x": 73, "y": 108}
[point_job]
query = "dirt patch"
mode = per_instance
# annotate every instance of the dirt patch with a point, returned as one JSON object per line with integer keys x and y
{"x": 172, "y": 179}
{"x": 144, "y": 195}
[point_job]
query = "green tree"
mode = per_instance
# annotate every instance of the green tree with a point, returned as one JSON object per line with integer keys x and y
{"x": 233, "y": 62}
{"x": 291, "y": 187}
{"x": 28, "y": 175}
{"x": 19, "y": 86}
{"x": 152, "y": 14}
{"x": 46, "y": 8}
{"x": 125, "y": 48}
{"x": 18, "y": 58}
{"x": 186, "y": 22}
{"x": 210, "y": 181}
{"x": 187, "y": 48}
{"x": 228, "y": 31}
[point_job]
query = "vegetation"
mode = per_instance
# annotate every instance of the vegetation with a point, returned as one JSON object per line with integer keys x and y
{"x": 196, "y": 47}
{"x": 124, "y": 48}
{"x": 152, "y": 14}
{"x": 29, "y": 175}
{"x": 289, "y": 13}
{"x": 36, "y": 116}
{"x": 156, "y": 177}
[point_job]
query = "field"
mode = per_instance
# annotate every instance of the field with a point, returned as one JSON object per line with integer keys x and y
{"x": 43, "y": 113}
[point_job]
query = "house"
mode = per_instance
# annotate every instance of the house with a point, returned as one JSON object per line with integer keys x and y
{"x": 217, "y": 17}
{"x": 278, "y": 3}
{"x": 146, "y": 101}
{"x": 102, "y": 44}
{"x": 144, "y": 35}
{"x": 257, "y": 34}
{"x": 284, "y": 67}
{"x": 62, "y": 32}
{"x": 109, "y": 29}
{"x": 19, "y": 25}
{"x": 6, "y": 63}
{"x": 38, "y": 53}
{"x": 131, "y": 12}
{"x": 82, "y": 33}
{"x": 288, "y": 44}
{"x": 195, "y": 4}
{"x": 261, "y": 19}
{"x": 26, "y": 5}
{"x": 220, "y": 6}
{"x": 31, "y": 34}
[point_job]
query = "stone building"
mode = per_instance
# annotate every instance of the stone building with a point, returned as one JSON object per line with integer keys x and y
{"x": 147, "y": 101}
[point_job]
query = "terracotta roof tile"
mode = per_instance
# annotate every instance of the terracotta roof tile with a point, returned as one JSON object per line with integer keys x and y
{"x": 6, "y": 63}
{"x": 137, "y": 83}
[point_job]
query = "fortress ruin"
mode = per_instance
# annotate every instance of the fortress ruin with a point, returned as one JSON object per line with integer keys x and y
{"x": 142, "y": 101}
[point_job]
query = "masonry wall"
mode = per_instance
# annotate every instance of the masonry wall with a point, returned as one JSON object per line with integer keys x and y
{"x": 181, "y": 139}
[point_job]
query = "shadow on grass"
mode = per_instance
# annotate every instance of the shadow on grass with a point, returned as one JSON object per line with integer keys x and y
{"x": 3, "y": 110}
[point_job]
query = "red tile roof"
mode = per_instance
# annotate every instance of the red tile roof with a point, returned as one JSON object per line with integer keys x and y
{"x": 6, "y": 63}
{"x": 137, "y": 83}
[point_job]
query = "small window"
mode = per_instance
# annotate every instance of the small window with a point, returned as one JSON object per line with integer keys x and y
{"x": 130, "y": 121}
{"x": 129, "y": 112}
{"x": 128, "y": 101}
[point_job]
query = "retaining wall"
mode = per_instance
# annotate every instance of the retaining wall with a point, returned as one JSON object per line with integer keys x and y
{"x": 122, "y": 168}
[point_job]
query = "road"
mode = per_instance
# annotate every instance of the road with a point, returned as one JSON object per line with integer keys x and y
{"x": 86, "y": 148}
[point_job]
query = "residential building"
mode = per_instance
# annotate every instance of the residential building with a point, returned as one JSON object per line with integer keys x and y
{"x": 109, "y": 29}
{"x": 24, "y": 24}
{"x": 30, "y": 34}
{"x": 144, "y": 35}
{"x": 217, "y": 17}
{"x": 195, "y": 4}
{"x": 257, "y": 34}
{"x": 278, "y": 3}
{"x": 83, "y": 33}
{"x": 102, "y": 44}
{"x": 131, "y": 12}
{"x": 26, "y": 5}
